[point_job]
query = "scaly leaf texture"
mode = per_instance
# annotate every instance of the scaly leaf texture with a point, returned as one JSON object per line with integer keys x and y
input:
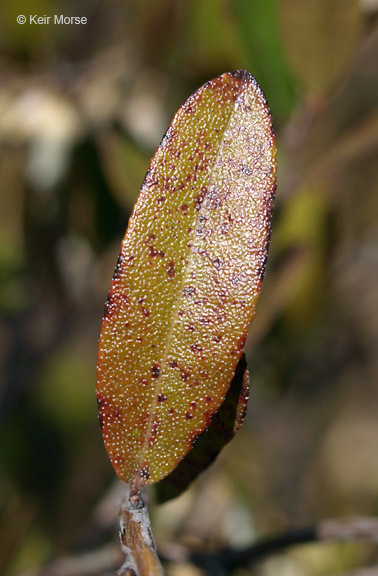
{"x": 224, "y": 425}
{"x": 187, "y": 280}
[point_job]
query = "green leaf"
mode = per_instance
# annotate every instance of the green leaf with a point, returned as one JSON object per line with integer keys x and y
{"x": 187, "y": 280}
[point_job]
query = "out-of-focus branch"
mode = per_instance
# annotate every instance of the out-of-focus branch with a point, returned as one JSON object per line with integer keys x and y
{"x": 336, "y": 530}
{"x": 349, "y": 529}
{"x": 229, "y": 558}
{"x": 142, "y": 560}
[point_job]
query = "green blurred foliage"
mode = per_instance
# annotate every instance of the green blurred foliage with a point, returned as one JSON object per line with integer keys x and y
{"x": 81, "y": 111}
{"x": 320, "y": 39}
{"x": 260, "y": 35}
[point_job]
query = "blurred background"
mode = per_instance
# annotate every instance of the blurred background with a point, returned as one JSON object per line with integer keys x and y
{"x": 82, "y": 109}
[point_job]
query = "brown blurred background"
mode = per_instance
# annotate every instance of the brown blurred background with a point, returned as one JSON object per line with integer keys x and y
{"x": 82, "y": 109}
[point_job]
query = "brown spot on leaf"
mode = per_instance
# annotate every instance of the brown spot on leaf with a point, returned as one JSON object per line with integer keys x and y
{"x": 193, "y": 384}
{"x": 189, "y": 105}
{"x": 173, "y": 363}
{"x": 197, "y": 202}
{"x": 188, "y": 415}
{"x": 145, "y": 312}
{"x": 155, "y": 371}
{"x": 171, "y": 269}
{"x": 161, "y": 398}
{"x": 108, "y": 411}
{"x": 189, "y": 291}
{"x": 118, "y": 268}
{"x": 154, "y": 432}
{"x": 149, "y": 180}
{"x": 152, "y": 252}
{"x": 108, "y": 304}
{"x": 218, "y": 263}
{"x": 196, "y": 348}
{"x": 144, "y": 472}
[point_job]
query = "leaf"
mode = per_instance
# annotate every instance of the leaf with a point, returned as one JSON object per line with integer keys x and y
{"x": 187, "y": 280}
{"x": 224, "y": 425}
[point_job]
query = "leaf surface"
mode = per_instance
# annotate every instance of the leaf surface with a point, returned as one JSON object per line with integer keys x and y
{"x": 224, "y": 425}
{"x": 187, "y": 280}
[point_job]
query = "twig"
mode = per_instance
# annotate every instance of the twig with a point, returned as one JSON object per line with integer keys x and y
{"x": 349, "y": 529}
{"x": 137, "y": 541}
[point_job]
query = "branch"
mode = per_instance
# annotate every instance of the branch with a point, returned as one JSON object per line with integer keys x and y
{"x": 137, "y": 541}
{"x": 135, "y": 525}
{"x": 344, "y": 529}
{"x": 358, "y": 528}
